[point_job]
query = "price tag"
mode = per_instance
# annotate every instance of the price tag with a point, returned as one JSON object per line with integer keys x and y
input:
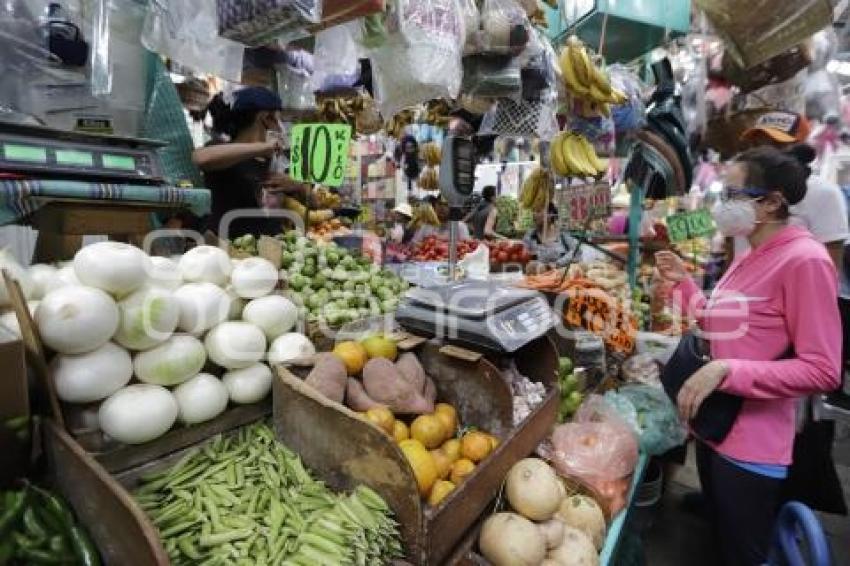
{"x": 690, "y": 225}
{"x": 320, "y": 153}
{"x": 578, "y": 205}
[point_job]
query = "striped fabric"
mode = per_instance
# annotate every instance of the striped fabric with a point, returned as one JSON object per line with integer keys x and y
{"x": 20, "y": 198}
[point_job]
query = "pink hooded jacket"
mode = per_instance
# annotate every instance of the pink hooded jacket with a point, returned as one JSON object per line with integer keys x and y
{"x": 780, "y": 296}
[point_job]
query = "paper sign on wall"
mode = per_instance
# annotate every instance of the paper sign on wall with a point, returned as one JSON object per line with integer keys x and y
{"x": 690, "y": 225}
{"x": 320, "y": 153}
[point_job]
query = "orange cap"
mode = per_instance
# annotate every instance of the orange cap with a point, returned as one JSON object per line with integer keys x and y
{"x": 781, "y": 127}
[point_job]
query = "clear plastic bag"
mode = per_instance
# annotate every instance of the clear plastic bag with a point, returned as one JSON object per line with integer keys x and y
{"x": 504, "y": 27}
{"x": 295, "y": 87}
{"x": 641, "y": 368}
{"x": 421, "y": 59}
{"x": 657, "y": 417}
{"x": 337, "y": 58}
{"x": 492, "y": 76}
{"x": 256, "y": 22}
{"x": 471, "y": 23}
{"x": 630, "y": 116}
{"x": 186, "y": 31}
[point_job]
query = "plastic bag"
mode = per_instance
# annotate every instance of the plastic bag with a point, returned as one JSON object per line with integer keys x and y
{"x": 337, "y": 58}
{"x": 492, "y": 76}
{"x": 256, "y": 22}
{"x": 186, "y": 31}
{"x": 504, "y": 27}
{"x": 657, "y": 417}
{"x": 421, "y": 59}
{"x": 641, "y": 368}
{"x": 630, "y": 116}
{"x": 471, "y": 23}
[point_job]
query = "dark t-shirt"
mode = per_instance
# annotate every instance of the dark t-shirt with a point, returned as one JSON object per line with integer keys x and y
{"x": 239, "y": 187}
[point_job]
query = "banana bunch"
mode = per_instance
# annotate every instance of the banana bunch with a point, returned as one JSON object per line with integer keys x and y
{"x": 326, "y": 199}
{"x": 429, "y": 180}
{"x": 432, "y": 154}
{"x": 571, "y": 155}
{"x": 586, "y": 81}
{"x": 424, "y": 215}
{"x": 396, "y": 125}
{"x": 537, "y": 191}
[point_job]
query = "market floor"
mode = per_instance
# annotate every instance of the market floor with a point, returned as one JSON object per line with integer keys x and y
{"x": 676, "y": 538}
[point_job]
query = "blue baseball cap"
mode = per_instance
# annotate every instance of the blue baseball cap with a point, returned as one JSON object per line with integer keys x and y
{"x": 256, "y": 99}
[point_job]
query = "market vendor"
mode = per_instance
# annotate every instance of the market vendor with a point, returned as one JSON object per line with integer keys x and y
{"x": 237, "y": 162}
{"x": 482, "y": 220}
{"x": 401, "y": 231}
{"x": 441, "y": 229}
{"x": 544, "y": 240}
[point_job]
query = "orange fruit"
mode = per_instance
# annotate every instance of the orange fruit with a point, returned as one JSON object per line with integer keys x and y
{"x": 420, "y": 460}
{"x": 353, "y": 355}
{"x": 428, "y": 430}
{"x": 443, "y": 463}
{"x": 439, "y": 492}
{"x": 448, "y": 416}
{"x": 460, "y": 470}
{"x": 475, "y": 445}
{"x": 382, "y": 417}
{"x": 400, "y": 431}
{"x": 494, "y": 442}
{"x": 451, "y": 448}
{"x": 380, "y": 347}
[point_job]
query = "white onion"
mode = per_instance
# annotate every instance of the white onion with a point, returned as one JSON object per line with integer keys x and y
{"x": 84, "y": 378}
{"x": 205, "y": 263}
{"x": 18, "y": 272}
{"x": 138, "y": 413}
{"x": 172, "y": 362}
{"x": 76, "y": 319}
{"x": 64, "y": 277}
{"x": 148, "y": 317}
{"x": 292, "y": 348}
{"x": 248, "y": 385}
{"x": 275, "y": 314}
{"x": 200, "y": 399}
{"x": 42, "y": 276}
{"x": 202, "y": 306}
{"x": 164, "y": 273}
{"x": 235, "y": 345}
{"x": 254, "y": 277}
{"x": 114, "y": 267}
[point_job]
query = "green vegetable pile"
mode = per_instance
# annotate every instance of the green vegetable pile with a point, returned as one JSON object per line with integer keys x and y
{"x": 245, "y": 499}
{"x": 245, "y": 244}
{"x": 37, "y": 527}
{"x": 570, "y": 389}
{"x": 330, "y": 283}
{"x": 508, "y": 214}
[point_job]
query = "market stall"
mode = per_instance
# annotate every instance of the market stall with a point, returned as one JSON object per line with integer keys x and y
{"x": 439, "y": 341}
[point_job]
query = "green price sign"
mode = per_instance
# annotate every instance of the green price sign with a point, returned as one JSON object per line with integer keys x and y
{"x": 690, "y": 225}
{"x": 320, "y": 153}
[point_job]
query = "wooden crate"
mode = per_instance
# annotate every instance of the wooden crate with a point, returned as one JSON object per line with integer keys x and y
{"x": 346, "y": 451}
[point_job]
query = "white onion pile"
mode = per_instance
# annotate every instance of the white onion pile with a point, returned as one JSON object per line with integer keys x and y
{"x": 157, "y": 340}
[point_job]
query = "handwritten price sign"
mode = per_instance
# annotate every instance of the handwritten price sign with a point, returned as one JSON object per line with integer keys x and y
{"x": 580, "y": 205}
{"x": 690, "y": 225}
{"x": 320, "y": 153}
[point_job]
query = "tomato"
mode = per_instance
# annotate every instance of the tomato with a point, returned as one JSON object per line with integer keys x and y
{"x": 502, "y": 257}
{"x": 517, "y": 247}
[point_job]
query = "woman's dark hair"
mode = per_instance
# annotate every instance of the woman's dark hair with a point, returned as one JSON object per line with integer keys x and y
{"x": 805, "y": 154}
{"x": 772, "y": 169}
{"x": 228, "y": 121}
{"x": 488, "y": 193}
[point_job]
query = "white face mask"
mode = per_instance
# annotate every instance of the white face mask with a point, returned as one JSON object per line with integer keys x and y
{"x": 735, "y": 217}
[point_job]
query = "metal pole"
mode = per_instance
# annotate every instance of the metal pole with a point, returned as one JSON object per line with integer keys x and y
{"x": 452, "y": 249}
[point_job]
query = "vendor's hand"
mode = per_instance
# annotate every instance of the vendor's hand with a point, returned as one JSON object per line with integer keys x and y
{"x": 284, "y": 184}
{"x": 670, "y": 267}
{"x": 699, "y": 386}
{"x": 269, "y": 148}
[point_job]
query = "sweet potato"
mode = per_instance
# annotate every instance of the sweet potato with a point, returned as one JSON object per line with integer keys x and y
{"x": 356, "y": 397}
{"x": 430, "y": 392}
{"x": 411, "y": 370}
{"x": 385, "y": 384}
{"x": 328, "y": 377}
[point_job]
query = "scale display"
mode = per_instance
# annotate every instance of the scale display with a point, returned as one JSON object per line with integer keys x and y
{"x": 37, "y": 152}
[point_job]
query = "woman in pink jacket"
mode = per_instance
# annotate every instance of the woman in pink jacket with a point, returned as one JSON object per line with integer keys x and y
{"x": 779, "y": 298}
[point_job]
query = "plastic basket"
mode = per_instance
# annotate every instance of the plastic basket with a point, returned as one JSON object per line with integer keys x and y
{"x": 526, "y": 118}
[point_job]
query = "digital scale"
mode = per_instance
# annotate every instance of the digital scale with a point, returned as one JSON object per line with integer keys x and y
{"x": 35, "y": 151}
{"x": 480, "y": 314}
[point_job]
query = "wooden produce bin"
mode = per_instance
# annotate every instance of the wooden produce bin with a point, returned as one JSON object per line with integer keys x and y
{"x": 117, "y": 525}
{"x": 347, "y": 451}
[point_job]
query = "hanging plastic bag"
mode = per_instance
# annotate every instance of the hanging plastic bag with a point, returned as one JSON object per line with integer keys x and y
{"x": 337, "y": 58}
{"x": 657, "y": 417}
{"x": 186, "y": 31}
{"x": 504, "y": 26}
{"x": 256, "y": 22}
{"x": 421, "y": 59}
{"x": 492, "y": 76}
{"x": 295, "y": 86}
{"x": 471, "y": 23}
